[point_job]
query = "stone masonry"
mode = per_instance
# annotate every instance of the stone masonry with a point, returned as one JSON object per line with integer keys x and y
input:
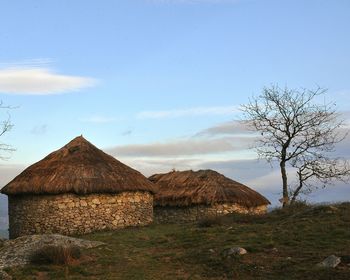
{"x": 177, "y": 214}
{"x": 70, "y": 214}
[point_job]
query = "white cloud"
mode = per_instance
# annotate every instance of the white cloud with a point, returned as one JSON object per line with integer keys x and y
{"x": 38, "y": 80}
{"x": 196, "y": 111}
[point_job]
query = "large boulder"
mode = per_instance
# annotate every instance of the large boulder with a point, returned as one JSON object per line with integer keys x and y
{"x": 17, "y": 252}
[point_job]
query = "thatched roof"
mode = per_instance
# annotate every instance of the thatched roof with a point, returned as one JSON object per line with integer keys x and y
{"x": 78, "y": 167}
{"x": 183, "y": 188}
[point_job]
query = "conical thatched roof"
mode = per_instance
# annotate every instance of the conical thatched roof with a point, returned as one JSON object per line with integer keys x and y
{"x": 78, "y": 167}
{"x": 182, "y": 188}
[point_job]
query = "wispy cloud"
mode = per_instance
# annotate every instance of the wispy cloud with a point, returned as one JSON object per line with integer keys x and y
{"x": 178, "y": 148}
{"x": 36, "y": 78}
{"x": 39, "y": 129}
{"x": 195, "y": 111}
{"x": 228, "y": 128}
{"x": 28, "y": 63}
{"x": 127, "y": 132}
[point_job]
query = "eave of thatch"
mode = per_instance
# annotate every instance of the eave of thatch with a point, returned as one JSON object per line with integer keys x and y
{"x": 81, "y": 168}
{"x": 184, "y": 188}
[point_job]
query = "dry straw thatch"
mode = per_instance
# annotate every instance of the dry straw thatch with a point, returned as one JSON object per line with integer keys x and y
{"x": 184, "y": 188}
{"x": 81, "y": 168}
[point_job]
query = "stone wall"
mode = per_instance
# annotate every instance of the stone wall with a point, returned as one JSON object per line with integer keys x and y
{"x": 171, "y": 214}
{"x": 78, "y": 214}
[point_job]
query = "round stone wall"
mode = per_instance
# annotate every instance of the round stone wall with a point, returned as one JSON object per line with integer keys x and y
{"x": 70, "y": 214}
{"x": 167, "y": 214}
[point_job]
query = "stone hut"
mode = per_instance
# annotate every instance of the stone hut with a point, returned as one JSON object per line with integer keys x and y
{"x": 75, "y": 190}
{"x": 185, "y": 196}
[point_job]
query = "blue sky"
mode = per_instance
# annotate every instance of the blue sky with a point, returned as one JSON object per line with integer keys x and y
{"x": 146, "y": 80}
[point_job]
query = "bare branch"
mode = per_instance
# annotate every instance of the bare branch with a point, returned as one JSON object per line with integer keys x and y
{"x": 5, "y": 126}
{"x": 294, "y": 129}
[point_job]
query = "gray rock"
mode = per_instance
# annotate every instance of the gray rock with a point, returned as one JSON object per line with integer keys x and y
{"x": 234, "y": 251}
{"x": 331, "y": 261}
{"x": 17, "y": 252}
{"x": 4, "y": 276}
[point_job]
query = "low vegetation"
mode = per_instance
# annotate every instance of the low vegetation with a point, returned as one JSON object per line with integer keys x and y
{"x": 210, "y": 222}
{"x": 284, "y": 244}
{"x": 53, "y": 254}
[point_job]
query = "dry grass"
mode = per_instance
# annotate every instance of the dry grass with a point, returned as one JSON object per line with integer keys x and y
{"x": 183, "y": 188}
{"x": 79, "y": 167}
{"x": 51, "y": 254}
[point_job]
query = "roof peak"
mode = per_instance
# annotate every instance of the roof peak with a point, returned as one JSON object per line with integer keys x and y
{"x": 78, "y": 139}
{"x": 78, "y": 167}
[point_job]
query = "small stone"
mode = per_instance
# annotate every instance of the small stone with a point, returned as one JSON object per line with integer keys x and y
{"x": 83, "y": 203}
{"x": 96, "y": 201}
{"x": 234, "y": 251}
{"x": 211, "y": 251}
{"x": 331, "y": 261}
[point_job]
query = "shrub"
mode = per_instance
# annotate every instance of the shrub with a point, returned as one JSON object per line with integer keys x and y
{"x": 209, "y": 222}
{"x": 52, "y": 254}
{"x": 297, "y": 206}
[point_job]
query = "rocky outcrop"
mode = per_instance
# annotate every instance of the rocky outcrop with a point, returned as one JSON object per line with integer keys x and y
{"x": 174, "y": 214}
{"x": 17, "y": 252}
{"x": 78, "y": 214}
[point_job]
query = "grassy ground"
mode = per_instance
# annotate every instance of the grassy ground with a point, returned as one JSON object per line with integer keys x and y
{"x": 303, "y": 237}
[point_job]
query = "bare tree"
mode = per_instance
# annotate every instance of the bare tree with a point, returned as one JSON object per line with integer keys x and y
{"x": 296, "y": 130}
{"x": 313, "y": 169}
{"x": 5, "y": 126}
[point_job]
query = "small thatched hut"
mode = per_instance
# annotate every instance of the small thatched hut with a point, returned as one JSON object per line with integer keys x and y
{"x": 191, "y": 195}
{"x": 78, "y": 189}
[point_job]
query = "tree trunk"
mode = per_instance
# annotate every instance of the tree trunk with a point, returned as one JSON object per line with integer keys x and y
{"x": 297, "y": 190}
{"x": 284, "y": 183}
